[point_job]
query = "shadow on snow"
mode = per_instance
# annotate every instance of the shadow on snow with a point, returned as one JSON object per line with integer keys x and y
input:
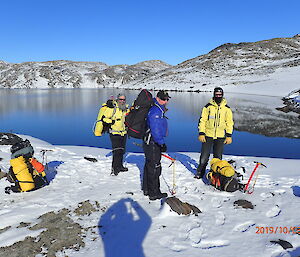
{"x": 123, "y": 228}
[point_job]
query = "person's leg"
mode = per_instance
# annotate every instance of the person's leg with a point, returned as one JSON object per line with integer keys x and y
{"x": 218, "y": 147}
{"x": 147, "y": 152}
{"x": 117, "y": 151}
{"x": 124, "y": 139}
{"x": 153, "y": 171}
{"x": 205, "y": 151}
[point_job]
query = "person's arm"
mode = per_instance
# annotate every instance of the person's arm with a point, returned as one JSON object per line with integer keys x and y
{"x": 229, "y": 122}
{"x": 202, "y": 122}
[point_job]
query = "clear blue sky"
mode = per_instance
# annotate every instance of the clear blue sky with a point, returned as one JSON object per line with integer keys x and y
{"x": 127, "y": 32}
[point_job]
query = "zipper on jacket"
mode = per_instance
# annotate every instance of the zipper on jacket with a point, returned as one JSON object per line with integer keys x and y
{"x": 217, "y": 121}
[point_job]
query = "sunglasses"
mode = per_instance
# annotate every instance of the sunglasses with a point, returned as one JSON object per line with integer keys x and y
{"x": 165, "y": 99}
{"x": 122, "y": 99}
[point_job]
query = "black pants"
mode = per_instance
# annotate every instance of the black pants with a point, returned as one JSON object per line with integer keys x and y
{"x": 118, "y": 143}
{"x": 217, "y": 145}
{"x": 152, "y": 169}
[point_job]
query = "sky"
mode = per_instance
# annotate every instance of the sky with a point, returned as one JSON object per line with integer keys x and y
{"x": 128, "y": 32}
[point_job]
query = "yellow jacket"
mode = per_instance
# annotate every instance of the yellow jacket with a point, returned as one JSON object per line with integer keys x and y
{"x": 216, "y": 120}
{"x": 116, "y": 117}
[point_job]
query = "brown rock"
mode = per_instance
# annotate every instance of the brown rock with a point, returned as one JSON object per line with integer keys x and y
{"x": 182, "y": 208}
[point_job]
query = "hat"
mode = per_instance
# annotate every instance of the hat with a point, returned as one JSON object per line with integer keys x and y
{"x": 163, "y": 95}
{"x": 119, "y": 95}
{"x": 218, "y": 90}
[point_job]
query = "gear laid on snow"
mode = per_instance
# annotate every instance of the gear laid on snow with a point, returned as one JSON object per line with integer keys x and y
{"x": 25, "y": 172}
{"x": 223, "y": 176}
{"x": 249, "y": 188}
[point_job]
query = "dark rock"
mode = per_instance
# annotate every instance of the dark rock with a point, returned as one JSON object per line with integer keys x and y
{"x": 284, "y": 244}
{"x": 91, "y": 159}
{"x": 2, "y": 174}
{"x": 244, "y": 204}
{"x": 182, "y": 208}
{"x": 9, "y": 139}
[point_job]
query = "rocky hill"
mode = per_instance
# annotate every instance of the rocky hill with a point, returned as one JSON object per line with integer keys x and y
{"x": 228, "y": 64}
{"x": 69, "y": 74}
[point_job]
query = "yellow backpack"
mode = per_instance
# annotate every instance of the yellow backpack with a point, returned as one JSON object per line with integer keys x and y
{"x": 104, "y": 121}
{"x": 222, "y": 167}
{"x": 22, "y": 174}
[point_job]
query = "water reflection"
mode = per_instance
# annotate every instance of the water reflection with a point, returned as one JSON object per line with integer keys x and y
{"x": 66, "y": 116}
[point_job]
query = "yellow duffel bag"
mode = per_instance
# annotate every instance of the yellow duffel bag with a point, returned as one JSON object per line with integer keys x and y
{"x": 21, "y": 171}
{"x": 222, "y": 167}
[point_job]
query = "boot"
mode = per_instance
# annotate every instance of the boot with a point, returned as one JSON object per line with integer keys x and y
{"x": 200, "y": 171}
{"x": 123, "y": 169}
{"x": 158, "y": 196}
{"x": 114, "y": 172}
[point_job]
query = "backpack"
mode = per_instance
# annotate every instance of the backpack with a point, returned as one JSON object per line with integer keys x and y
{"x": 26, "y": 172}
{"x": 22, "y": 148}
{"x": 135, "y": 120}
{"x": 223, "y": 176}
{"x": 106, "y": 111}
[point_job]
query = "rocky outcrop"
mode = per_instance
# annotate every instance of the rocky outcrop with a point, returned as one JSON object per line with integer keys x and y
{"x": 69, "y": 74}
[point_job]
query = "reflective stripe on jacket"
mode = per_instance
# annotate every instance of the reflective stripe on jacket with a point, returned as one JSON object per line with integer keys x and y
{"x": 216, "y": 120}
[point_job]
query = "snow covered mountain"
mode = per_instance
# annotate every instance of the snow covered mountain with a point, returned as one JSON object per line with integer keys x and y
{"x": 227, "y": 65}
{"x": 69, "y": 74}
{"x": 230, "y": 64}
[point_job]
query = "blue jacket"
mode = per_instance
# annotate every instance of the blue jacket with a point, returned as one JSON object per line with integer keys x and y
{"x": 157, "y": 123}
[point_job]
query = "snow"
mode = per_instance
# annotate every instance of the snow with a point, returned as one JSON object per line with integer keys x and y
{"x": 128, "y": 224}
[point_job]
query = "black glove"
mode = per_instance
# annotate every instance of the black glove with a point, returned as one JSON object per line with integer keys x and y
{"x": 163, "y": 148}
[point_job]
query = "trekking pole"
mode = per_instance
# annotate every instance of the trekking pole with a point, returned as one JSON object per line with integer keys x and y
{"x": 251, "y": 176}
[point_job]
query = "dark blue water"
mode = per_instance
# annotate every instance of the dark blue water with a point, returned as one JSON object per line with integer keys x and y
{"x": 66, "y": 117}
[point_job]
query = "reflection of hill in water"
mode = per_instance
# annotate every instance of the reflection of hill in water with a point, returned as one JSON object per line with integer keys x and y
{"x": 254, "y": 114}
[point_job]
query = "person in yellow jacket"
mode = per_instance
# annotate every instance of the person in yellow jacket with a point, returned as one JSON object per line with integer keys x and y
{"x": 118, "y": 133}
{"x": 215, "y": 129}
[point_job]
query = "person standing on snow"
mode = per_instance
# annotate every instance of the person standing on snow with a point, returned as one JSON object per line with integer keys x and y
{"x": 118, "y": 133}
{"x": 215, "y": 129}
{"x": 153, "y": 145}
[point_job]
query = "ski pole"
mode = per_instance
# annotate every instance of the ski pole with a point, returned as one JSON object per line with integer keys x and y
{"x": 251, "y": 176}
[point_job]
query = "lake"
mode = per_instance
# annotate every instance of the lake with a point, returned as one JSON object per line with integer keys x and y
{"x": 66, "y": 117}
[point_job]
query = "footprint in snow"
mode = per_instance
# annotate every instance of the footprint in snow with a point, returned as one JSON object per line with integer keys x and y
{"x": 273, "y": 212}
{"x": 196, "y": 235}
{"x": 220, "y": 218}
{"x": 216, "y": 202}
{"x": 169, "y": 242}
{"x": 207, "y": 244}
{"x": 244, "y": 226}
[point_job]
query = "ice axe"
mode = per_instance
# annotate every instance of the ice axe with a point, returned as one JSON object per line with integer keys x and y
{"x": 247, "y": 189}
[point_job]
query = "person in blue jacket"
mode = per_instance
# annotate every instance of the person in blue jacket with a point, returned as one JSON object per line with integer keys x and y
{"x": 154, "y": 144}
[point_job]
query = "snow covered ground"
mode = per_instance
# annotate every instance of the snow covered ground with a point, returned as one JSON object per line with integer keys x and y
{"x": 125, "y": 223}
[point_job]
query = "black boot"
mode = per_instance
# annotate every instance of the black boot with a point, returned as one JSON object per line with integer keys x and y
{"x": 123, "y": 169}
{"x": 200, "y": 171}
{"x": 115, "y": 172}
{"x": 158, "y": 196}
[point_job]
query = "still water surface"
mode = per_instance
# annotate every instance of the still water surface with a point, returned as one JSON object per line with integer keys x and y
{"x": 66, "y": 117}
